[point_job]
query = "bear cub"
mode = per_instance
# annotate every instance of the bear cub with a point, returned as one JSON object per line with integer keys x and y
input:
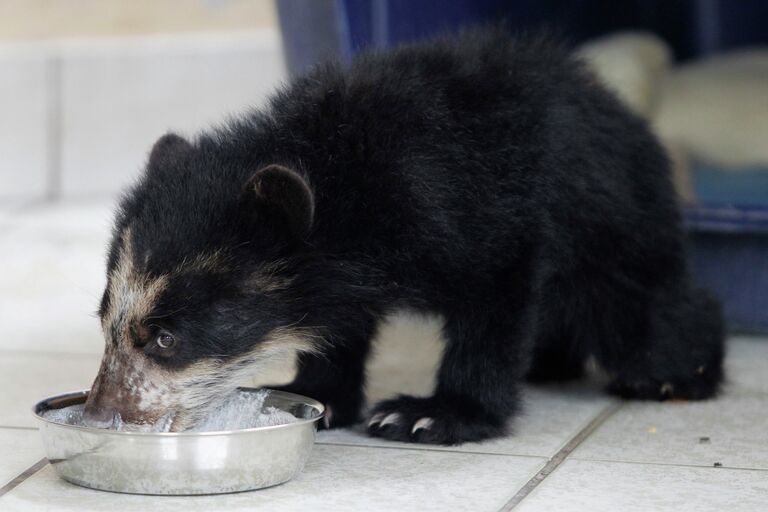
{"x": 485, "y": 178}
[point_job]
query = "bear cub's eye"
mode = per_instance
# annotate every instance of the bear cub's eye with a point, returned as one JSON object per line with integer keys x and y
{"x": 165, "y": 339}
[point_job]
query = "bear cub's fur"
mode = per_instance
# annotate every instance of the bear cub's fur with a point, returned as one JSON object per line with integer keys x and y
{"x": 485, "y": 178}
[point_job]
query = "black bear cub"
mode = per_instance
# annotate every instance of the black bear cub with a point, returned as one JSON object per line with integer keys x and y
{"x": 485, "y": 178}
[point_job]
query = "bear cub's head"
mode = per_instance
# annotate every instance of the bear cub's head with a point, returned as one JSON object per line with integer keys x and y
{"x": 203, "y": 273}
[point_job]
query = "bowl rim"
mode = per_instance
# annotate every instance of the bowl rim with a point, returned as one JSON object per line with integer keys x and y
{"x": 100, "y": 431}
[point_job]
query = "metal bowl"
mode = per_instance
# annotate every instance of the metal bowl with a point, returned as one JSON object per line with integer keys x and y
{"x": 181, "y": 462}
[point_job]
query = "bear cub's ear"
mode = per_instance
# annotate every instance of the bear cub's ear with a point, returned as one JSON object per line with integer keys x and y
{"x": 288, "y": 193}
{"x": 169, "y": 149}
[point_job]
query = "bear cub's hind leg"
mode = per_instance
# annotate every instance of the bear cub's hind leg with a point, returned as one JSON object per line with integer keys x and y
{"x": 681, "y": 355}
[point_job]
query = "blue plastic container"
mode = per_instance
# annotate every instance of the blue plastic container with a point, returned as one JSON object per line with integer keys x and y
{"x": 315, "y": 29}
{"x": 729, "y": 255}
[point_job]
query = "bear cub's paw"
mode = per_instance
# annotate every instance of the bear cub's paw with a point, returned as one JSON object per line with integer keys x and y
{"x": 431, "y": 421}
{"x": 700, "y": 384}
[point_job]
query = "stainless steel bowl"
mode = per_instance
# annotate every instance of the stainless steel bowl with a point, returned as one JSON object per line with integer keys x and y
{"x": 181, "y": 462}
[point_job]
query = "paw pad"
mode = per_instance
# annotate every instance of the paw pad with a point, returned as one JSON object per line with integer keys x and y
{"x": 429, "y": 420}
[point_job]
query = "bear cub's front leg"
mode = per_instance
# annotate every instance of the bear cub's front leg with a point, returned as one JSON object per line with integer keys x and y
{"x": 477, "y": 386}
{"x": 335, "y": 378}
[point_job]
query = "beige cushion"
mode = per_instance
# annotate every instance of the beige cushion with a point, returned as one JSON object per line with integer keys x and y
{"x": 717, "y": 108}
{"x": 631, "y": 64}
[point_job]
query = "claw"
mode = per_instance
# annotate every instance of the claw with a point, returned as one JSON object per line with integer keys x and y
{"x": 376, "y": 418}
{"x": 391, "y": 419}
{"x": 423, "y": 423}
{"x": 328, "y": 416}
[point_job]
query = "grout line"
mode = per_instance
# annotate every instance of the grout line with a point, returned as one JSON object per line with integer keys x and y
{"x": 50, "y": 353}
{"x": 16, "y": 427}
{"x": 669, "y": 464}
{"x": 34, "y": 203}
{"x": 37, "y": 466}
{"x": 421, "y": 448}
{"x": 560, "y": 457}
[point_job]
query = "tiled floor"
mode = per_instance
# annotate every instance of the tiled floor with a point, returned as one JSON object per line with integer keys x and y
{"x": 574, "y": 448}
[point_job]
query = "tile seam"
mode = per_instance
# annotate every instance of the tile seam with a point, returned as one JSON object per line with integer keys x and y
{"x": 17, "y": 427}
{"x": 670, "y": 464}
{"x": 560, "y": 457}
{"x": 23, "y": 476}
{"x": 45, "y": 353}
{"x": 433, "y": 450}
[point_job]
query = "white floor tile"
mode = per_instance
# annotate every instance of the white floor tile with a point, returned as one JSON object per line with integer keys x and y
{"x": 117, "y": 100}
{"x": 337, "y": 478}
{"x": 24, "y": 87}
{"x": 19, "y": 450}
{"x": 26, "y": 378}
{"x": 551, "y": 417}
{"x": 730, "y": 430}
{"x": 610, "y": 487}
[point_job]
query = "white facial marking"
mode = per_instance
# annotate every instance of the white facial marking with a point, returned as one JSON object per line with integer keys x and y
{"x": 148, "y": 393}
{"x": 198, "y": 386}
{"x": 268, "y": 279}
{"x": 131, "y": 294}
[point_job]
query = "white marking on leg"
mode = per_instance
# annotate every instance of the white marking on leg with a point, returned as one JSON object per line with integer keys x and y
{"x": 390, "y": 419}
{"x": 418, "y": 340}
{"x": 422, "y": 423}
